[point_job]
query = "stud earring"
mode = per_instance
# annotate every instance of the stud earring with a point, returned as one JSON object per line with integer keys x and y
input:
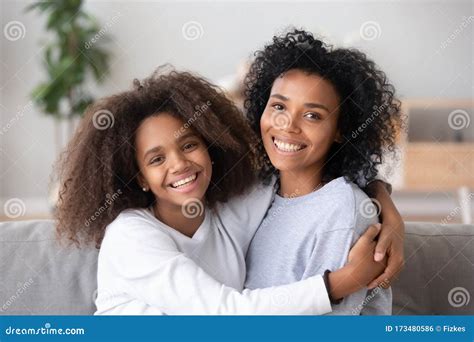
{"x": 145, "y": 189}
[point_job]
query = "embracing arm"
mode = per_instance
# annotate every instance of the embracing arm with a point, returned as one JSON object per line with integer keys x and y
{"x": 360, "y": 269}
{"x": 149, "y": 267}
{"x": 392, "y": 234}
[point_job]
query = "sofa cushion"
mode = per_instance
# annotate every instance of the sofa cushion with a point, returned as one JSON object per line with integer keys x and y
{"x": 438, "y": 278}
{"x": 38, "y": 276}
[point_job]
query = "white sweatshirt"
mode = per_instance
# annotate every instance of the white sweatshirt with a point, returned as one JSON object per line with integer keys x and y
{"x": 148, "y": 268}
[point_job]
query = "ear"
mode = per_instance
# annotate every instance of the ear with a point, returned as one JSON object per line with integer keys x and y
{"x": 141, "y": 181}
{"x": 338, "y": 137}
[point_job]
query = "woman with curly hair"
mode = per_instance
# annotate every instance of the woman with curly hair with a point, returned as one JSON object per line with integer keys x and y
{"x": 163, "y": 179}
{"x": 325, "y": 117}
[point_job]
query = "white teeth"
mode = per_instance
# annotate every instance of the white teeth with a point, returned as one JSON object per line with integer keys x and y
{"x": 184, "y": 181}
{"x": 283, "y": 146}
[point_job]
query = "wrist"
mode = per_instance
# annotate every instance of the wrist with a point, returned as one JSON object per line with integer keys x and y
{"x": 393, "y": 219}
{"x": 342, "y": 283}
{"x": 329, "y": 289}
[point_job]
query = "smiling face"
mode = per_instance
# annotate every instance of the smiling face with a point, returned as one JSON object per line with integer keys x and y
{"x": 299, "y": 123}
{"x": 174, "y": 169}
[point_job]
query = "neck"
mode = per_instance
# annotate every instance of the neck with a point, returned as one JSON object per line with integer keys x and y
{"x": 297, "y": 183}
{"x": 172, "y": 216}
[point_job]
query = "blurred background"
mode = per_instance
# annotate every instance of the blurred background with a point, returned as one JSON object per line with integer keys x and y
{"x": 56, "y": 57}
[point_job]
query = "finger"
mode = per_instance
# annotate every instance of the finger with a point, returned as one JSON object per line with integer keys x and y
{"x": 371, "y": 232}
{"x": 381, "y": 248}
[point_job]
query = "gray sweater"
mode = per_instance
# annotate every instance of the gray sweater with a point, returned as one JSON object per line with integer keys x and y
{"x": 304, "y": 236}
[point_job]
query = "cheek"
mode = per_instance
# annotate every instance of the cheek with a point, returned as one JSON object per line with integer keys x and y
{"x": 265, "y": 122}
{"x": 203, "y": 159}
{"x": 323, "y": 136}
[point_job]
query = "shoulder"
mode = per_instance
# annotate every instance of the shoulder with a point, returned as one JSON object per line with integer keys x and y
{"x": 135, "y": 227}
{"x": 365, "y": 211}
{"x": 348, "y": 193}
{"x": 351, "y": 208}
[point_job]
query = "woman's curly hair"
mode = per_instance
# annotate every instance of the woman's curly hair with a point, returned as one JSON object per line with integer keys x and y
{"x": 370, "y": 116}
{"x": 98, "y": 170}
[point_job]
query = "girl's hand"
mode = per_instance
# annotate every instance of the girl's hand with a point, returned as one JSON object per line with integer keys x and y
{"x": 360, "y": 269}
{"x": 390, "y": 244}
{"x": 360, "y": 258}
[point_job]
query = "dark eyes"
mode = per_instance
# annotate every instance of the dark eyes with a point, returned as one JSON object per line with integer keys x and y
{"x": 156, "y": 160}
{"x": 188, "y": 147}
{"x": 310, "y": 115}
{"x": 278, "y": 106}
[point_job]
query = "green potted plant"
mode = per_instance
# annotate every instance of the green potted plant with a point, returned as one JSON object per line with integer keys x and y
{"x": 72, "y": 57}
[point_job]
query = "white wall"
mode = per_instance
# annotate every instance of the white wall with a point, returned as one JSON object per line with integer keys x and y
{"x": 426, "y": 48}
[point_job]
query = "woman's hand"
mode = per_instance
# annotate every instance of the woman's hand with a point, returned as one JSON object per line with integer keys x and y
{"x": 390, "y": 244}
{"x": 360, "y": 269}
{"x": 392, "y": 235}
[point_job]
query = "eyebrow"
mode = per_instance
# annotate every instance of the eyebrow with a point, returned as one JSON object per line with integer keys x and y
{"x": 158, "y": 148}
{"x": 309, "y": 104}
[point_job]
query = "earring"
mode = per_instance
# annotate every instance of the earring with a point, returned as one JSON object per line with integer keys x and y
{"x": 145, "y": 189}
{"x": 212, "y": 162}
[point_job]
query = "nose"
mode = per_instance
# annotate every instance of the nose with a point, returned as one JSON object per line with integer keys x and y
{"x": 178, "y": 163}
{"x": 290, "y": 125}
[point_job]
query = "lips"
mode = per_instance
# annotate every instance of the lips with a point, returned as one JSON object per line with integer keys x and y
{"x": 287, "y": 145}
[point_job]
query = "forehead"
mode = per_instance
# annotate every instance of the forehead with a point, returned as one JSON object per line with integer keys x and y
{"x": 160, "y": 130}
{"x": 299, "y": 85}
